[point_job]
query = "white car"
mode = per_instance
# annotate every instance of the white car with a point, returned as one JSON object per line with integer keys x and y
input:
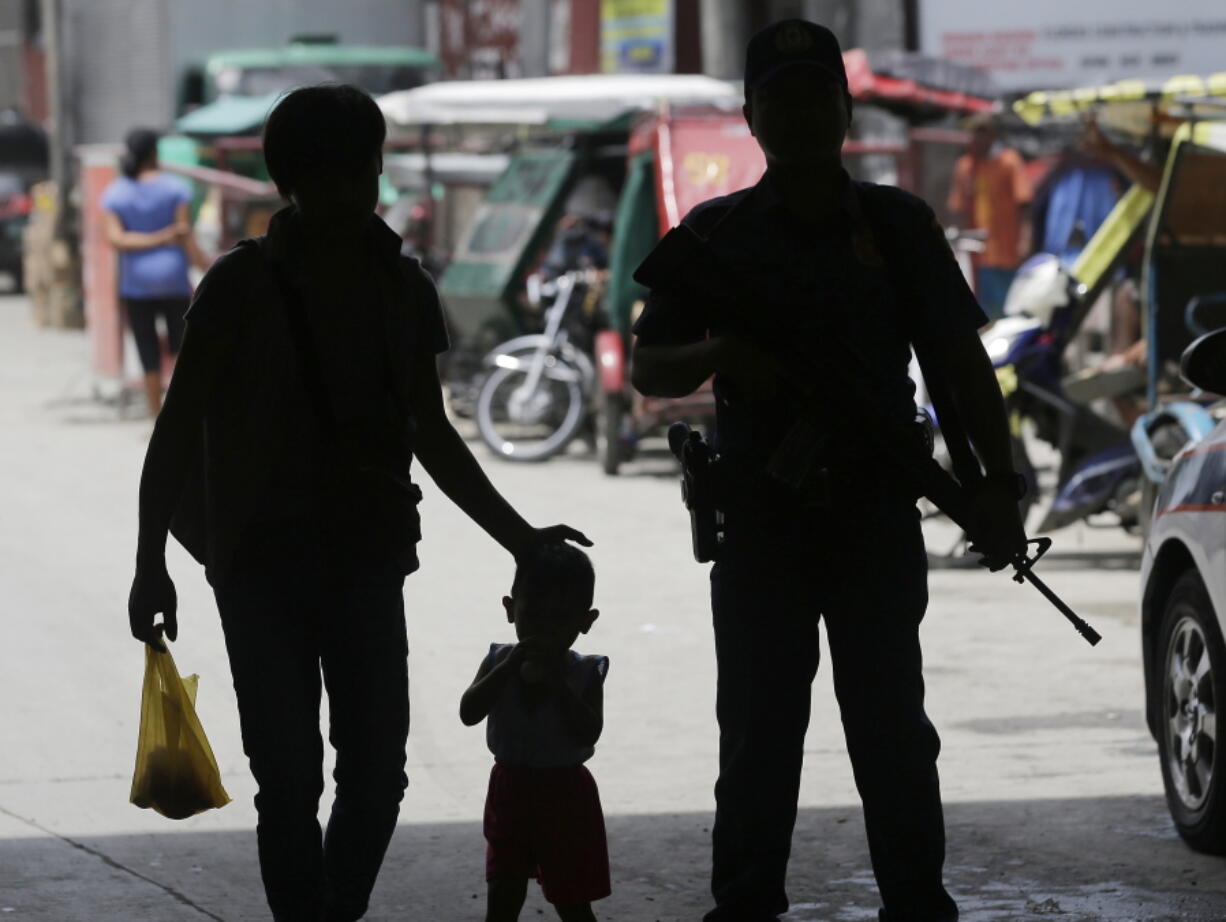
{"x": 1183, "y": 618}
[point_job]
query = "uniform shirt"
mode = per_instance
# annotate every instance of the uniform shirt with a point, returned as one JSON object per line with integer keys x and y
{"x": 521, "y": 731}
{"x": 824, "y": 296}
{"x": 262, "y": 440}
{"x": 992, "y": 190}
{"x": 148, "y": 205}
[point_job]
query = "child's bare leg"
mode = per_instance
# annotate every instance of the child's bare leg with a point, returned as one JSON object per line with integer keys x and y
{"x": 505, "y": 898}
{"x": 576, "y": 912}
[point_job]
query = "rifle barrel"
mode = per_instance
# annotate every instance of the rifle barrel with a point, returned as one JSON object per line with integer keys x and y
{"x": 1083, "y": 628}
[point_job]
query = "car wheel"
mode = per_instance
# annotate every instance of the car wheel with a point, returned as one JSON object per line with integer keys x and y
{"x": 1193, "y": 680}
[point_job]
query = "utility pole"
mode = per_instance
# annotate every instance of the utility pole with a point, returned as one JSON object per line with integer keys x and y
{"x": 535, "y": 37}
{"x": 910, "y": 25}
{"x": 59, "y": 134}
{"x": 725, "y": 30}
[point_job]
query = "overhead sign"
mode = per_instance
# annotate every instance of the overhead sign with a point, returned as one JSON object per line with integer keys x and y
{"x": 1054, "y": 43}
{"x": 636, "y": 36}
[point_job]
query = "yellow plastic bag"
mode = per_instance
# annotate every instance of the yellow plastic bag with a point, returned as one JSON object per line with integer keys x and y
{"x": 176, "y": 774}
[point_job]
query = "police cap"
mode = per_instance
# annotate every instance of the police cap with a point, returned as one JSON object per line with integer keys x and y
{"x": 792, "y": 43}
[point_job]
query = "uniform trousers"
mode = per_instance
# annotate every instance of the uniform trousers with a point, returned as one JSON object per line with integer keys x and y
{"x": 864, "y": 572}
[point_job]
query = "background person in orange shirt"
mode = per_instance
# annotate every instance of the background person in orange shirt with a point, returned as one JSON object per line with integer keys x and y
{"x": 990, "y": 192}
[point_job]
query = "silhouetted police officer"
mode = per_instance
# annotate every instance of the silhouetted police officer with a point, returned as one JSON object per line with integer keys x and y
{"x": 832, "y": 279}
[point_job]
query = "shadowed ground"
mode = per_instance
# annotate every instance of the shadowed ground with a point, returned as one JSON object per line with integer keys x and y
{"x": 1085, "y": 860}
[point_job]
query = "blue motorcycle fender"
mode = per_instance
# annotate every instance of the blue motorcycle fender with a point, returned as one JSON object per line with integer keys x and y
{"x": 1096, "y": 480}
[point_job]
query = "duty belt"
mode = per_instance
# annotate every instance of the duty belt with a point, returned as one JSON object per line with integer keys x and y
{"x": 743, "y": 490}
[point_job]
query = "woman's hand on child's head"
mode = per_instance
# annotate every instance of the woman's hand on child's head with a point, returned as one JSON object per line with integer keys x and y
{"x": 554, "y": 534}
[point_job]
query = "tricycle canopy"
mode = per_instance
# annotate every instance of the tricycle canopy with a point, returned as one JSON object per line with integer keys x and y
{"x": 679, "y": 140}
{"x": 1136, "y": 107}
{"x": 567, "y": 103}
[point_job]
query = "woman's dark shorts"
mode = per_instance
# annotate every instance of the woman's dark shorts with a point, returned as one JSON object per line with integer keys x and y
{"x": 142, "y": 317}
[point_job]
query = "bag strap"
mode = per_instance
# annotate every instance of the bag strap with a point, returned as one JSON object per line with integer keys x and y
{"x": 965, "y": 463}
{"x": 308, "y": 356}
{"x": 309, "y": 362}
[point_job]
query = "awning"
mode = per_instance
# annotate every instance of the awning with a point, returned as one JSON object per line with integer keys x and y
{"x": 879, "y": 87}
{"x": 1174, "y": 97}
{"x": 231, "y": 115}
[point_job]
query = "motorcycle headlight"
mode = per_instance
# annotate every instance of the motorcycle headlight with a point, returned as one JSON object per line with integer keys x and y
{"x": 998, "y": 347}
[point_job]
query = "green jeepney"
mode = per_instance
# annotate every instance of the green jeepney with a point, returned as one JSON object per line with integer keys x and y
{"x": 225, "y": 101}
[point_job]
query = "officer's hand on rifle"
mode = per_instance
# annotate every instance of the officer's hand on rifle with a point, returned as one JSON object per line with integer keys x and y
{"x": 999, "y": 533}
{"x": 754, "y": 371}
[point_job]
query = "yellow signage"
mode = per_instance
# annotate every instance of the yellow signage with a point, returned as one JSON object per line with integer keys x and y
{"x": 636, "y": 36}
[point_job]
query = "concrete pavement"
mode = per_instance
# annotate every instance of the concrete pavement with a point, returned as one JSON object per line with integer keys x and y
{"x": 1053, "y": 793}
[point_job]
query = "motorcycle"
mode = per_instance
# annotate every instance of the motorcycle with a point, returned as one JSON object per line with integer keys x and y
{"x": 1099, "y": 471}
{"x": 537, "y": 394}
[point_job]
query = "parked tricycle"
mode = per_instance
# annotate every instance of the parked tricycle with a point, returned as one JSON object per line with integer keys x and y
{"x": 1112, "y": 456}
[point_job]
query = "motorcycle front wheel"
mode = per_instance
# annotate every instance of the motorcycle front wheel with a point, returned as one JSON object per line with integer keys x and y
{"x": 522, "y": 425}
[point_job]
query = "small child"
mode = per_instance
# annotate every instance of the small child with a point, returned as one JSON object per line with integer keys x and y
{"x": 544, "y": 705}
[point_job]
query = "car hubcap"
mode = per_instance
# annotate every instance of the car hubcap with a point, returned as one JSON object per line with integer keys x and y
{"x": 1191, "y": 714}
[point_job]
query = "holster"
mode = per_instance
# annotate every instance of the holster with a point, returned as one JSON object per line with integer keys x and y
{"x": 700, "y": 490}
{"x": 713, "y": 487}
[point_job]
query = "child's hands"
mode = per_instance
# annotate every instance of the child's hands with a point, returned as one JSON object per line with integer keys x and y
{"x": 538, "y": 661}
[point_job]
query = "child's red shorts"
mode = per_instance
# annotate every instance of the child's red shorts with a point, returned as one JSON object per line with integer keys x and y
{"x": 547, "y": 823}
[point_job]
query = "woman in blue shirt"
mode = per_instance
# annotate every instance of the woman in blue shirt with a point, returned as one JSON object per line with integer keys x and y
{"x": 147, "y": 221}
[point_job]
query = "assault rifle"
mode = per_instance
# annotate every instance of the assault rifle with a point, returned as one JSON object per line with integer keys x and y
{"x": 702, "y": 496}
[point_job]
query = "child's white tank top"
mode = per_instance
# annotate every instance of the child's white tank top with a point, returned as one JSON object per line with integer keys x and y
{"x": 522, "y": 732}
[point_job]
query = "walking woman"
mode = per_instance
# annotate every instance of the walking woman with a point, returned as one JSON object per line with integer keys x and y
{"x": 147, "y": 221}
{"x": 307, "y": 387}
